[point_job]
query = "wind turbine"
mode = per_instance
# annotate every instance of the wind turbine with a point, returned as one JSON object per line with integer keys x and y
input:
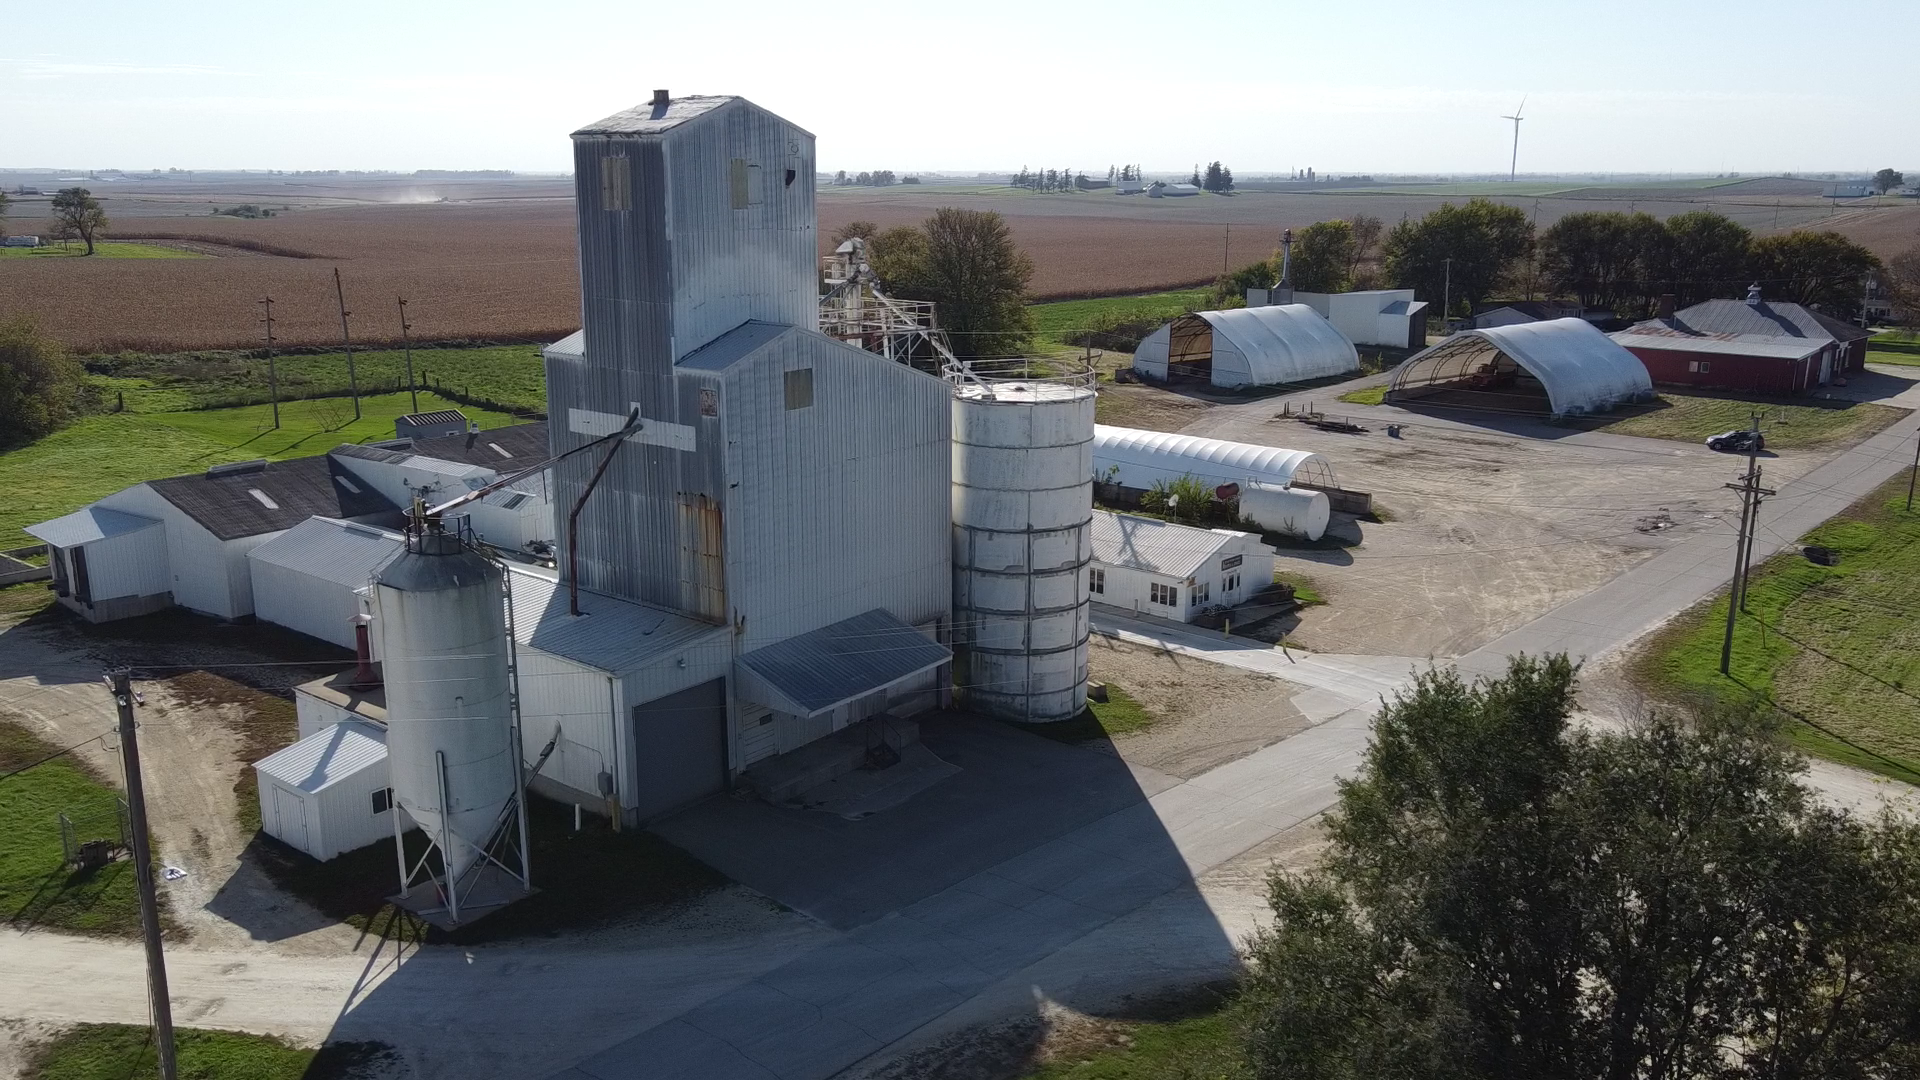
{"x": 1514, "y": 166}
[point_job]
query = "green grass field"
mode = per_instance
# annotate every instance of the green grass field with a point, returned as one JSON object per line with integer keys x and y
{"x": 125, "y": 1052}
{"x": 1897, "y": 347}
{"x": 36, "y": 890}
{"x": 102, "y": 454}
{"x": 1834, "y": 647}
{"x": 103, "y": 249}
{"x": 1196, "y": 1042}
{"x": 1054, "y": 322}
{"x": 1366, "y": 395}
{"x": 510, "y": 375}
{"x": 1120, "y": 714}
{"x": 26, "y": 598}
{"x": 1691, "y": 418}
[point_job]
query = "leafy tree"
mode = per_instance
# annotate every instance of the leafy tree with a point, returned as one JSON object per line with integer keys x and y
{"x": 1323, "y": 257}
{"x": 3, "y": 213}
{"x": 1887, "y": 179}
{"x": 1218, "y": 178}
{"x": 1510, "y": 895}
{"x": 1821, "y": 269}
{"x": 1903, "y": 284}
{"x": 1484, "y": 239}
{"x": 966, "y": 262}
{"x": 41, "y": 387}
{"x": 1366, "y": 240}
{"x": 865, "y": 230}
{"x": 1706, "y": 257}
{"x": 1230, "y": 290}
{"x": 78, "y": 213}
{"x": 840, "y": 177}
{"x": 1195, "y": 178}
{"x": 1185, "y": 498}
{"x": 1604, "y": 258}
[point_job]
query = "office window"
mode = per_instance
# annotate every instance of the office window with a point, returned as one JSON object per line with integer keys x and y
{"x": 1163, "y": 594}
{"x": 1199, "y": 594}
{"x": 800, "y": 388}
{"x": 382, "y": 800}
{"x": 1096, "y": 580}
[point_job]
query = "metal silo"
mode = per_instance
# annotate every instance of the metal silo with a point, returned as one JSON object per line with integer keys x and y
{"x": 451, "y": 744}
{"x": 1022, "y": 507}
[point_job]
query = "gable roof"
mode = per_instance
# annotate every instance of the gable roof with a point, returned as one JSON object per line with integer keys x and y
{"x": 88, "y": 524}
{"x": 327, "y": 756}
{"x": 1771, "y": 320}
{"x": 331, "y": 550}
{"x": 505, "y": 449}
{"x": 650, "y": 119}
{"x": 269, "y": 496}
{"x": 1155, "y": 546}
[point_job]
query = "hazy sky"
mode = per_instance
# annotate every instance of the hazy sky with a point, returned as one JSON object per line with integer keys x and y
{"x": 1380, "y": 85}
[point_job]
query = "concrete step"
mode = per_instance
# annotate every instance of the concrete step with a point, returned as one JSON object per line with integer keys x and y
{"x": 785, "y": 776}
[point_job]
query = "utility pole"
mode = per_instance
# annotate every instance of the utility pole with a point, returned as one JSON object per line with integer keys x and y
{"x": 1750, "y": 495}
{"x": 406, "y": 342}
{"x": 1753, "y": 522}
{"x": 1446, "y": 303}
{"x": 1915, "y": 472}
{"x": 1226, "y": 250}
{"x": 353, "y": 384}
{"x": 273, "y": 376}
{"x": 123, "y": 701}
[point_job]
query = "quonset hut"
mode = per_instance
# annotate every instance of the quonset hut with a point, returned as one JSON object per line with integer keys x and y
{"x": 1262, "y": 346}
{"x": 1560, "y": 367}
{"x": 787, "y": 490}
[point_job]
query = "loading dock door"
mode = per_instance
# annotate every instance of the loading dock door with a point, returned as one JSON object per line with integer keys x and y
{"x": 680, "y": 748}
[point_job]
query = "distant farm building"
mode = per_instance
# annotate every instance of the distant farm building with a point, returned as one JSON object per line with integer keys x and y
{"x": 1170, "y": 191}
{"x": 1561, "y": 367}
{"x": 1264, "y": 346}
{"x": 1130, "y": 187}
{"x": 1516, "y": 312}
{"x": 1751, "y": 346}
{"x": 430, "y": 425}
{"x": 20, "y": 241}
{"x": 1388, "y": 317}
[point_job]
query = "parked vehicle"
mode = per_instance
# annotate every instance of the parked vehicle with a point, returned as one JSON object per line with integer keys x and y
{"x": 1737, "y": 442}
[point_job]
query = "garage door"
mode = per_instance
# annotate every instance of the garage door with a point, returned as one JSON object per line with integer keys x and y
{"x": 680, "y": 748}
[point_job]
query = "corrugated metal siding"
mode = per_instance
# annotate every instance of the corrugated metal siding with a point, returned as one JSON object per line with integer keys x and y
{"x": 582, "y": 704}
{"x": 197, "y": 561}
{"x": 129, "y": 564}
{"x": 333, "y": 774}
{"x": 842, "y": 507}
{"x": 659, "y": 281}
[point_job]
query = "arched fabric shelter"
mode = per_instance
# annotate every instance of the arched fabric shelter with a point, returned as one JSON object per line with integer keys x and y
{"x": 1574, "y": 366}
{"x": 1262, "y": 346}
{"x": 1135, "y": 458}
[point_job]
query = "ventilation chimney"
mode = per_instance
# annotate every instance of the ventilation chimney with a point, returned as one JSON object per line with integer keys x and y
{"x": 1666, "y": 306}
{"x": 363, "y": 673}
{"x": 1753, "y": 295}
{"x": 661, "y": 99}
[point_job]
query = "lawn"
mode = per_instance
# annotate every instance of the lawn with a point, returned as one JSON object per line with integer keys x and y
{"x": 36, "y": 890}
{"x": 1898, "y": 347}
{"x": 1055, "y": 323}
{"x": 1366, "y": 395}
{"x": 1189, "y": 1039}
{"x": 1303, "y": 588}
{"x": 1787, "y": 425}
{"x": 26, "y": 598}
{"x": 124, "y": 1051}
{"x": 101, "y": 454}
{"x": 589, "y": 878}
{"x": 103, "y": 249}
{"x": 1833, "y": 647}
{"x": 508, "y": 375}
{"x": 1120, "y": 714}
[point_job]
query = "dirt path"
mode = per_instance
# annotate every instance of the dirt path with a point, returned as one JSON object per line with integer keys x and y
{"x": 1209, "y": 714}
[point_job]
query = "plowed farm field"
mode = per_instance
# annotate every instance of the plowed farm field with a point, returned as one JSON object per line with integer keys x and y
{"x": 499, "y": 263}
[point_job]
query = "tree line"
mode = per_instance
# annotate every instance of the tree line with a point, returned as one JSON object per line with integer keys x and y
{"x": 77, "y": 215}
{"x": 879, "y": 178}
{"x": 1328, "y": 257}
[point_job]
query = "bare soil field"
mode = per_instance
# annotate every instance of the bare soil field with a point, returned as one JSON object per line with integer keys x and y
{"x": 1206, "y": 714}
{"x": 496, "y": 259}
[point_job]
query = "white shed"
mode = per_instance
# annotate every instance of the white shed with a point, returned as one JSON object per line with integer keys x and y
{"x": 1390, "y": 317}
{"x": 1135, "y": 458}
{"x": 107, "y": 564}
{"x": 309, "y": 578}
{"x": 329, "y": 792}
{"x": 1156, "y": 567}
{"x": 1259, "y": 346}
{"x": 1562, "y": 367}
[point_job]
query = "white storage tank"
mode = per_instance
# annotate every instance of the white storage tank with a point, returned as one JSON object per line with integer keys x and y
{"x": 450, "y": 746}
{"x": 1290, "y": 511}
{"x": 1022, "y": 508}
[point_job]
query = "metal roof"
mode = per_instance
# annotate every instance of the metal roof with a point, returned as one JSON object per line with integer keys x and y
{"x": 1718, "y": 344}
{"x": 331, "y": 550}
{"x": 327, "y": 756}
{"x": 1581, "y": 369}
{"x": 651, "y": 119}
{"x": 571, "y": 347}
{"x": 88, "y": 524}
{"x": 508, "y": 449}
{"x": 1771, "y": 320}
{"x": 1281, "y": 343}
{"x": 823, "y": 669}
{"x": 612, "y": 635}
{"x": 1153, "y": 453}
{"x": 1157, "y": 547}
{"x": 442, "y": 416}
{"x": 234, "y": 505}
{"x": 734, "y": 346}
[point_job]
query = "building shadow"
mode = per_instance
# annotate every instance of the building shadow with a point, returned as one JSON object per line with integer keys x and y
{"x": 959, "y": 892}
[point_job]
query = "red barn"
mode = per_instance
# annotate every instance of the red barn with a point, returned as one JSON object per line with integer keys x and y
{"x": 1749, "y": 346}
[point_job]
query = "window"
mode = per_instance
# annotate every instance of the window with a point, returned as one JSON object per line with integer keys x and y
{"x": 382, "y": 801}
{"x": 1701, "y": 367}
{"x": 1167, "y": 595}
{"x": 1096, "y": 580}
{"x": 1199, "y": 594}
{"x": 263, "y": 498}
{"x": 616, "y": 184}
{"x": 800, "y": 388}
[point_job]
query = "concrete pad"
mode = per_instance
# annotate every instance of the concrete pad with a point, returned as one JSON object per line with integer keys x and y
{"x": 674, "y": 1050}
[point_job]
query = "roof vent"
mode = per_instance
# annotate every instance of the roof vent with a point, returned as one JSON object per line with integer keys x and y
{"x": 661, "y": 99}
{"x": 238, "y": 468}
{"x": 1753, "y": 295}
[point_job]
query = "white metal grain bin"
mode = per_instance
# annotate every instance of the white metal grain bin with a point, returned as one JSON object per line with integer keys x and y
{"x": 1287, "y": 510}
{"x": 449, "y": 730}
{"x": 1022, "y": 505}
